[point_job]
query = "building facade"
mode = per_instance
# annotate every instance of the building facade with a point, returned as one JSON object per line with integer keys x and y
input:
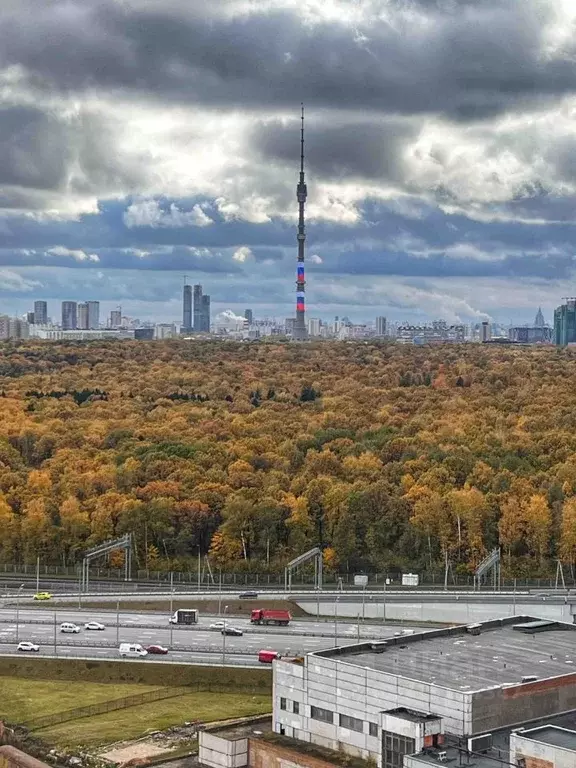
{"x": 248, "y": 316}
{"x": 187, "y": 308}
{"x": 93, "y": 315}
{"x": 565, "y": 323}
{"x": 526, "y": 334}
{"x": 69, "y": 315}
{"x": 380, "y": 326}
{"x": 116, "y": 318}
{"x": 82, "y": 316}
{"x": 201, "y": 310}
{"x": 389, "y": 698}
{"x": 40, "y": 313}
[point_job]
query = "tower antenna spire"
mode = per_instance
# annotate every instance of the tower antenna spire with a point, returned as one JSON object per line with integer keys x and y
{"x": 300, "y": 330}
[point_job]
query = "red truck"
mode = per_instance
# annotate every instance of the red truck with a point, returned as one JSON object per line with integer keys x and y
{"x": 266, "y": 616}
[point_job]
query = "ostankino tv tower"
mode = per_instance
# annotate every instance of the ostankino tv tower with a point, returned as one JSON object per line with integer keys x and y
{"x": 300, "y": 330}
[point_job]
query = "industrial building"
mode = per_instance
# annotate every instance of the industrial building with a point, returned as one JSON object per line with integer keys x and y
{"x": 410, "y": 700}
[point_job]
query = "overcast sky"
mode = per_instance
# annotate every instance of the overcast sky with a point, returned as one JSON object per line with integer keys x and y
{"x": 141, "y": 140}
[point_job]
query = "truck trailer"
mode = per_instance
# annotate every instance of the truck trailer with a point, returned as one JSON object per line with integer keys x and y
{"x": 184, "y": 616}
{"x": 268, "y": 616}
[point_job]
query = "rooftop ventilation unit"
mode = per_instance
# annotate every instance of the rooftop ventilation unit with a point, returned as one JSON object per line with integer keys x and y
{"x": 529, "y": 678}
{"x": 442, "y": 757}
{"x": 480, "y": 743}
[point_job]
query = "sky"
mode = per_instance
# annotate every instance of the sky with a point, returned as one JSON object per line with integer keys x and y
{"x": 145, "y": 140}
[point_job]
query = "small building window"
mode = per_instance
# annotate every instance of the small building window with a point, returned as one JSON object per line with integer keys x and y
{"x": 282, "y": 703}
{"x": 317, "y": 713}
{"x": 373, "y": 729}
{"x": 352, "y": 723}
{"x": 296, "y": 708}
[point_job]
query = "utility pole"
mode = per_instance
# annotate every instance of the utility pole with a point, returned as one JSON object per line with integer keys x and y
{"x": 55, "y": 649}
{"x": 198, "y": 568}
{"x": 20, "y": 588}
{"x": 171, "y": 605}
{"x": 38, "y": 574}
{"x": 224, "y": 636}
{"x": 336, "y": 622}
{"x": 117, "y": 621}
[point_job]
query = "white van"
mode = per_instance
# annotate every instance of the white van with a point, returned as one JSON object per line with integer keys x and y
{"x": 67, "y": 626}
{"x": 132, "y": 650}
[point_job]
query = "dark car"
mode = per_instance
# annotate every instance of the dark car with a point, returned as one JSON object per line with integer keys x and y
{"x": 249, "y": 595}
{"x": 157, "y": 649}
{"x": 232, "y": 631}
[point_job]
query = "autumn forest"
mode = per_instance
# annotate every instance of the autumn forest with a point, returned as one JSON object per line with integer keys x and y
{"x": 390, "y": 457}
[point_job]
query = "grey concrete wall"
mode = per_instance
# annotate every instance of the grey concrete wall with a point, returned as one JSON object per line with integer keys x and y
{"x": 519, "y": 703}
{"x": 455, "y": 610}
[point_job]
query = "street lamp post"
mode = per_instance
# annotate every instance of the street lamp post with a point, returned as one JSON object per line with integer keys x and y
{"x": 20, "y": 588}
{"x": 336, "y": 622}
{"x": 224, "y": 636}
{"x": 117, "y": 621}
{"x": 171, "y": 605}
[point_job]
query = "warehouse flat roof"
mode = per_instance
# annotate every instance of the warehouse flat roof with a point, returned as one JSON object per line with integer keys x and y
{"x": 457, "y": 659}
{"x": 552, "y": 734}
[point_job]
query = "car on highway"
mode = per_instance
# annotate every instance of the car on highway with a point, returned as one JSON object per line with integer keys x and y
{"x": 217, "y": 625}
{"x": 68, "y": 626}
{"x": 248, "y": 595}
{"x": 232, "y": 631}
{"x": 132, "y": 650}
{"x": 267, "y": 657}
{"x": 94, "y": 625}
{"x": 157, "y": 649}
{"x": 28, "y": 646}
{"x": 42, "y": 596}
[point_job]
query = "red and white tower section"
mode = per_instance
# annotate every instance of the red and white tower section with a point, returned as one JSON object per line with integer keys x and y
{"x": 300, "y": 331}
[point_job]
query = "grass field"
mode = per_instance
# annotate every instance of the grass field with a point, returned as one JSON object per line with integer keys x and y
{"x": 137, "y": 721}
{"x": 214, "y": 606}
{"x": 22, "y": 700}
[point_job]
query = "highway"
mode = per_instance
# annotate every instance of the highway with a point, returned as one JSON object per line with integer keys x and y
{"x": 194, "y": 644}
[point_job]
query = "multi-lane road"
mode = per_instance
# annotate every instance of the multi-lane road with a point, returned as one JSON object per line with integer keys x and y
{"x": 195, "y": 644}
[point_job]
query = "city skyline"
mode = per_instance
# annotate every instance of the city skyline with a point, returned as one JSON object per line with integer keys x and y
{"x": 441, "y": 184}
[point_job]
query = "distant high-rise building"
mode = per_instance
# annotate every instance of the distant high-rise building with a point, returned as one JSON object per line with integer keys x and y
{"x": 313, "y": 326}
{"x": 187, "y": 310}
{"x": 197, "y": 308}
{"x": 205, "y": 320}
{"x": 116, "y": 318}
{"x": 40, "y": 313}
{"x": 485, "y": 331}
{"x": 82, "y": 316}
{"x": 30, "y": 318}
{"x": 539, "y": 322}
{"x": 565, "y": 323}
{"x": 380, "y": 326}
{"x": 93, "y": 315}
{"x": 201, "y": 310}
{"x": 248, "y": 316}
{"x": 69, "y": 315}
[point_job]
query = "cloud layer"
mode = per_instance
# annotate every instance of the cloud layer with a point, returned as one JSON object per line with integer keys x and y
{"x": 162, "y": 135}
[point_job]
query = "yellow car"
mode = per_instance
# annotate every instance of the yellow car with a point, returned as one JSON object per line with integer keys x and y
{"x": 42, "y": 596}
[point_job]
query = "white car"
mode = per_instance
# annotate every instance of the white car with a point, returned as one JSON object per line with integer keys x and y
{"x": 217, "y": 625}
{"x": 68, "y": 626}
{"x": 94, "y": 625}
{"x": 27, "y": 646}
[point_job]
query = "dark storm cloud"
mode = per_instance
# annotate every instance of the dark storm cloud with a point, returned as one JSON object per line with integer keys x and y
{"x": 33, "y": 149}
{"x": 468, "y": 61}
{"x": 369, "y": 150}
{"x": 45, "y": 153}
